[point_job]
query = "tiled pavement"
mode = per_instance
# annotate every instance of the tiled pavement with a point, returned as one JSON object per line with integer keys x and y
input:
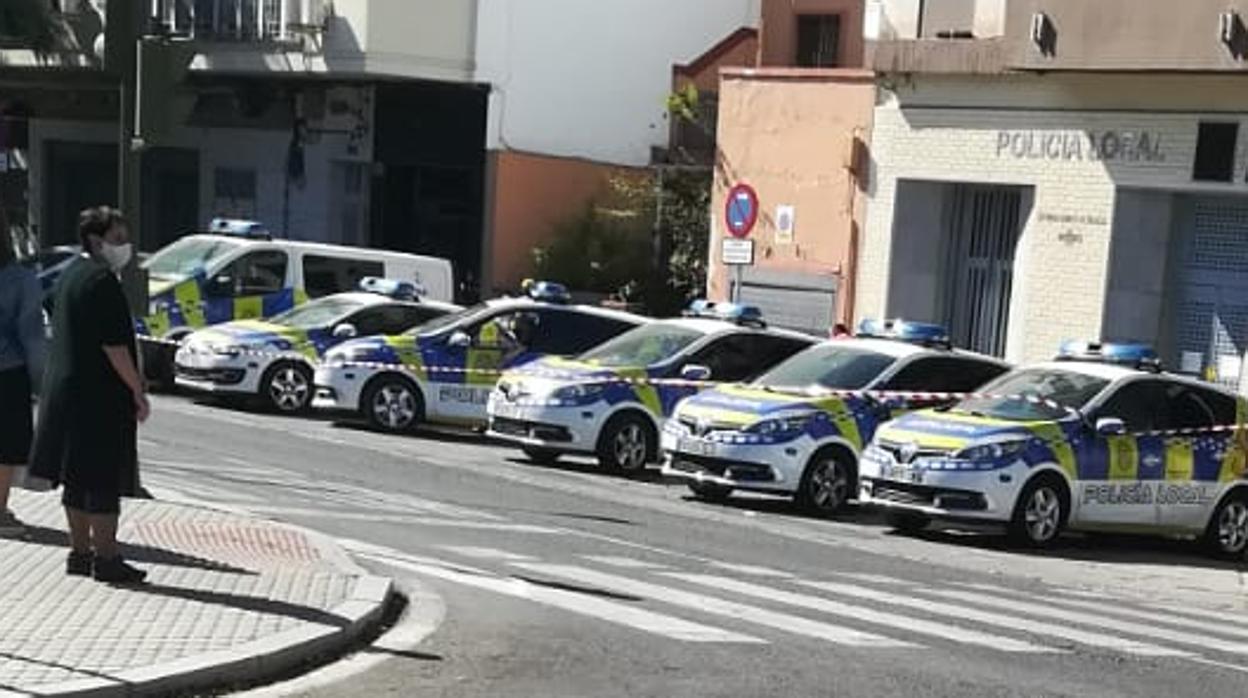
{"x": 229, "y": 599}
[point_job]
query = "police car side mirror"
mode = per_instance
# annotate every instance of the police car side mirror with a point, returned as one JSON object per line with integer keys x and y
{"x": 695, "y": 372}
{"x": 459, "y": 340}
{"x": 345, "y": 331}
{"x": 1110, "y": 426}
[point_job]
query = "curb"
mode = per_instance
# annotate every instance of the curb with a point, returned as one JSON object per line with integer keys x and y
{"x": 269, "y": 657}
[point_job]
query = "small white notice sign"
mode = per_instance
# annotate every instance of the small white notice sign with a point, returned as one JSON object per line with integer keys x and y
{"x": 1191, "y": 362}
{"x": 737, "y": 251}
{"x": 785, "y": 223}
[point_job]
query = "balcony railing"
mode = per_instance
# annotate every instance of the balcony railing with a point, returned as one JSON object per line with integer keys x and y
{"x": 239, "y": 20}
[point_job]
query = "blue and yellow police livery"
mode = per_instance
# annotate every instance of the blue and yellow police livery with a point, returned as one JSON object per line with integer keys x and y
{"x": 443, "y": 372}
{"x": 798, "y": 429}
{"x": 1100, "y": 439}
{"x": 275, "y": 358}
{"x": 610, "y": 401}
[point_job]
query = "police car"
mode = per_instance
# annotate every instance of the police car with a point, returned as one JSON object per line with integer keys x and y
{"x": 275, "y": 358}
{"x": 798, "y": 429}
{"x": 610, "y": 401}
{"x": 1100, "y": 439}
{"x": 443, "y": 371}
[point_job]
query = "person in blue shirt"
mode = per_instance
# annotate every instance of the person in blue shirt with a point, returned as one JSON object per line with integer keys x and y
{"x": 21, "y": 368}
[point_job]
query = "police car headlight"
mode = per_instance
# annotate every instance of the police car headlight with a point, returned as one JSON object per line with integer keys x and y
{"x": 580, "y": 391}
{"x": 231, "y": 350}
{"x": 347, "y": 356}
{"x": 988, "y": 452}
{"x": 781, "y": 425}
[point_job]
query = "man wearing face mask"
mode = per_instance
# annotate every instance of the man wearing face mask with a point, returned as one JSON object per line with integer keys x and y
{"x": 93, "y": 400}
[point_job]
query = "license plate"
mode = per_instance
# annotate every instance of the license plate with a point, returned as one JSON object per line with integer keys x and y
{"x": 696, "y": 447}
{"x": 506, "y": 410}
{"x": 901, "y": 473}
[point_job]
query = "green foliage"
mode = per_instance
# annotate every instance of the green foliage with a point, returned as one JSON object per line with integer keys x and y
{"x": 683, "y": 104}
{"x": 603, "y": 249}
{"x": 625, "y": 246}
{"x": 28, "y": 23}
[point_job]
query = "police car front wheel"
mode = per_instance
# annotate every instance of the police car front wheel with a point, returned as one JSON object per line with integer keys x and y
{"x": 287, "y": 387}
{"x": 827, "y": 483}
{"x": 627, "y": 444}
{"x": 1041, "y": 512}
{"x": 1228, "y": 530}
{"x": 392, "y": 404}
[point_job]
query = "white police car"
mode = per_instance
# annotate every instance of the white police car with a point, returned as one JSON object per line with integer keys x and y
{"x": 610, "y": 401}
{"x": 798, "y": 429}
{"x": 442, "y": 372}
{"x": 275, "y": 358}
{"x": 1099, "y": 439}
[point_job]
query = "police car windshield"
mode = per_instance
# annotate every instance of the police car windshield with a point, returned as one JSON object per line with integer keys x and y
{"x": 645, "y": 346}
{"x": 829, "y": 366}
{"x": 318, "y": 313}
{"x": 1065, "y": 388}
{"x": 187, "y": 256}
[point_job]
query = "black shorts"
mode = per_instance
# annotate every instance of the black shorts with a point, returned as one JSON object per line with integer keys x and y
{"x": 16, "y": 416}
{"x": 90, "y": 501}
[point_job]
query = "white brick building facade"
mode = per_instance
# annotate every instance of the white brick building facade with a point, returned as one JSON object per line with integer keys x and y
{"x": 1099, "y": 163}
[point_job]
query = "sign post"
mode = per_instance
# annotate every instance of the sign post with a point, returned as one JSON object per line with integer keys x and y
{"x": 740, "y": 215}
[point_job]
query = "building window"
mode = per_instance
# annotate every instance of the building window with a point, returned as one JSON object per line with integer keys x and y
{"x": 1215, "y": 151}
{"x": 234, "y": 193}
{"x": 818, "y": 41}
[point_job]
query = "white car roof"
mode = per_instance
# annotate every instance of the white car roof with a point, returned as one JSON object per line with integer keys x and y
{"x": 364, "y": 298}
{"x": 522, "y": 302}
{"x": 1114, "y": 373}
{"x": 709, "y": 326}
{"x": 898, "y": 349}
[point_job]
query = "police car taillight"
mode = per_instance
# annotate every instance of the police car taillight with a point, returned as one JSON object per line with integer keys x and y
{"x": 922, "y": 333}
{"x": 1139, "y": 356}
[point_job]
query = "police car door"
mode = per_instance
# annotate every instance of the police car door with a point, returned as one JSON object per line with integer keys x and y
{"x": 494, "y": 346}
{"x": 1118, "y": 474}
{"x": 1196, "y": 465}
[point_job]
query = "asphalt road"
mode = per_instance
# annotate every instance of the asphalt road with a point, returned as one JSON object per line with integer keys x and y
{"x": 565, "y": 581}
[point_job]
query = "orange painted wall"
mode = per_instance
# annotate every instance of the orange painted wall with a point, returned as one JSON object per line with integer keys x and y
{"x": 530, "y": 195}
{"x": 742, "y": 52}
{"x": 789, "y": 134}
{"x": 779, "y": 30}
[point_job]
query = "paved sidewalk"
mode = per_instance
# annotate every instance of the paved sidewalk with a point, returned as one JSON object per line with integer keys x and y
{"x": 229, "y": 599}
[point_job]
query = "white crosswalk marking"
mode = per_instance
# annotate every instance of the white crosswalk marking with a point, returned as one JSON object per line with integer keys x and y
{"x": 1110, "y": 607}
{"x": 752, "y": 570}
{"x": 624, "y": 562}
{"x": 583, "y": 604}
{"x": 485, "y": 553}
{"x": 1052, "y": 613}
{"x": 909, "y": 624}
{"x": 716, "y": 606}
{"x": 974, "y": 614}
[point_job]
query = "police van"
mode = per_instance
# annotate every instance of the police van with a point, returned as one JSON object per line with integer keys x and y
{"x": 442, "y": 372}
{"x": 610, "y": 402}
{"x": 1099, "y": 439}
{"x": 274, "y": 359}
{"x": 798, "y": 429}
{"x": 238, "y": 271}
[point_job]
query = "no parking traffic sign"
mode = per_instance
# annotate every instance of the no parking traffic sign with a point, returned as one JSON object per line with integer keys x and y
{"x": 741, "y": 210}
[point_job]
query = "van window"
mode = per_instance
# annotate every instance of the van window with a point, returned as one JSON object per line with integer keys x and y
{"x": 325, "y": 276}
{"x": 254, "y": 274}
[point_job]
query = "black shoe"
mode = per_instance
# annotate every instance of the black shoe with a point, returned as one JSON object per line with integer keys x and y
{"x": 117, "y": 571}
{"x": 78, "y": 564}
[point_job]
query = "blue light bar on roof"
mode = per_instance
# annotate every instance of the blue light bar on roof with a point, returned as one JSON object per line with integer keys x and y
{"x": 390, "y": 288}
{"x": 729, "y": 312}
{"x": 1141, "y": 356}
{"x": 924, "y": 333}
{"x": 240, "y": 228}
{"x": 549, "y": 292}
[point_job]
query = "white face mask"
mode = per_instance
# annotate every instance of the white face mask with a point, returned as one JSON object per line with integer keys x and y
{"x": 117, "y": 256}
